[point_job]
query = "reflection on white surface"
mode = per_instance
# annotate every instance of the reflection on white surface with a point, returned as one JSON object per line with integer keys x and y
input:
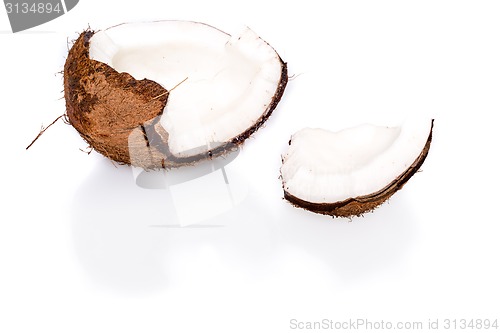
{"x": 357, "y": 249}
{"x": 197, "y": 193}
{"x": 111, "y": 234}
{"x": 128, "y": 238}
{"x": 202, "y": 198}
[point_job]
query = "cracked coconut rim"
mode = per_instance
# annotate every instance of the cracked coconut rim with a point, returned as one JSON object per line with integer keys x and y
{"x": 210, "y": 90}
{"x": 352, "y": 171}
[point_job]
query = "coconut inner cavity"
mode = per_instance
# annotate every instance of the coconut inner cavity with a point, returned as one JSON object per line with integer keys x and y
{"x": 225, "y": 84}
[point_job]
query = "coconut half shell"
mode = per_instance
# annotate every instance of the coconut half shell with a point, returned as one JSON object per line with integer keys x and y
{"x": 351, "y": 172}
{"x": 170, "y": 93}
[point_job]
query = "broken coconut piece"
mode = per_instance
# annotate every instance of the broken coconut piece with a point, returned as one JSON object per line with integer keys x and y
{"x": 353, "y": 171}
{"x": 117, "y": 81}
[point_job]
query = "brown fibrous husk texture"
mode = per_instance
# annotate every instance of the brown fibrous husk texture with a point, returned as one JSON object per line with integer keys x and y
{"x": 105, "y": 106}
{"x": 118, "y": 116}
{"x": 363, "y": 204}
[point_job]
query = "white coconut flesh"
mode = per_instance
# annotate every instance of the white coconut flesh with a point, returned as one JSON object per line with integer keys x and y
{"x": 329, "y": 167}
{"x": 223, "y": 84}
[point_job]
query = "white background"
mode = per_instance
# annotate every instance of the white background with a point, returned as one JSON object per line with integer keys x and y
{"x": 83, "y": 249}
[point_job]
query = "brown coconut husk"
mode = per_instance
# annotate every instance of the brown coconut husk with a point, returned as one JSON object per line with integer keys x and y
{"x": 106, "y": 107}
{"x": 118, "y": 116}
{"x": 363, "y": 204}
